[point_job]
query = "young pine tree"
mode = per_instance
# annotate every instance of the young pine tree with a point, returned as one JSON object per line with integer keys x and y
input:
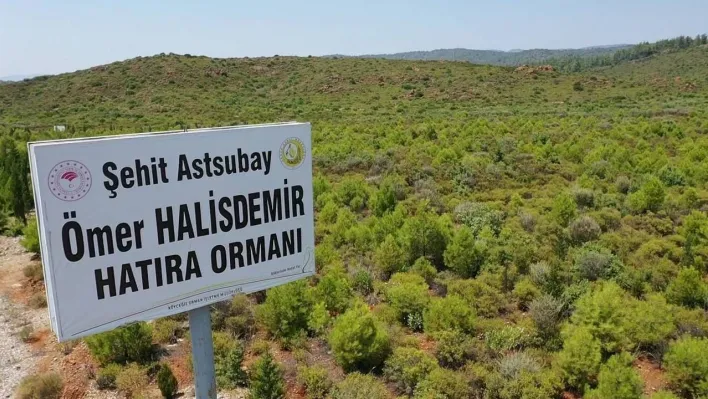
{"x": 618, "y": 380}
{"x": 229, "y": 372}
{"x": 267, "y": 379}
{"x": 15, "y": 176}
{"x": 465, "y": 256}
{"x": 564, "y": 209}
{"x": 167, "y": 382}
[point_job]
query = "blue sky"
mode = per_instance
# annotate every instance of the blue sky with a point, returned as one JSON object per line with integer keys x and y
{"x": 38, "y": 37}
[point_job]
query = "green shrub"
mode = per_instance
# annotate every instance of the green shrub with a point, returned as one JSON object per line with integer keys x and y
{"x": 166, "y": 331}
{"x": 229, "y": 373}
{"x": 315, "y": 380}
{"x": 649, "y": 198}
{"x": 512, "y": 365}
{"x": 546, "y": 313}
{"x": 13, "y": 227}
{"x": 691, "y": 322}
{"x": 465, "y": 255}
{"x": 477, "y": 216}
{"x": 485, "y": 299}
{"x": 541, "y": 385}
{"x": 266, "y": 380}
{"x": 320, "y": 185}
{"x": 594, "y": 262}
{"x": 623, "y": 184}
{"x": 240, "y": 319}
{"x": 663, "y": 395}
{"x": 40, "y": 386}
{"x": 286, "y": 310}
{"x": 425, "y": 269}
{"x": 441, "y": 383}
{"x": 604, "y": 313}
{"x": 385, "y": 198}
{"x": 414, "y": 321}
{"x": 540, "y": 273}
{"x": 686, "y": 365}
{"x": 526, "y": 291}
{"x": 425, "y": 235}
{"x": 30, "y": 239}
{"x": 223, "y": 344}
{"x": 505, "y": 339}
{"x": 259, "y": 346}
{"x": 106, "y": 376}
{"x": 241, "y": 326}
{"x": 360, "y": 386}
{"x": 650, "y": 323}
{"x": 453, "y": 348}
{"x": 166, "y": 382}
{"x": 407, "y": 367}
{"x": 358, "y": 341}
{"x": 352, "y": 191}
{"x": 584, "y": 229}
{"x": 449, "y": 313}
{"x": 363, "y": 282}
{"x": 334, "y": 290}
{"x": 580, "y": 358}
{"x": 390, "y": 256}
{"x": 132, "y": 381}
{"x": 408, "y": 294}
{"x": 132, "y": 343}
{"x": 319, "y": 319}
{"x": 671, "y": 176}
{"x": 618, "y": 380}
{"x": 564, "y": 209}
{"x": 688, "y": 289}
{"x": 584, "y": 197}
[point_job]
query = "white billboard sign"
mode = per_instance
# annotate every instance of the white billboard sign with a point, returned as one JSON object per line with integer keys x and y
{"x": 142, "y": 226}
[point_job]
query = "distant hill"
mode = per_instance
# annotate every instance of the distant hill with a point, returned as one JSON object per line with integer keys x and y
{"x": 566, "y": 60}
{"x": 16, "y": 78}
{"x": 169, "y": 91}
{"x": 499, "y": 58}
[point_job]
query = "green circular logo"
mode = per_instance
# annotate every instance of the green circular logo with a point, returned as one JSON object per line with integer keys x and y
{"x": 292, "y": 153}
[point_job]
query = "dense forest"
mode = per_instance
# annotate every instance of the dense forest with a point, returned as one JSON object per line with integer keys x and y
{"x": 482, "y": 232}
{"x": 576, "y": 63}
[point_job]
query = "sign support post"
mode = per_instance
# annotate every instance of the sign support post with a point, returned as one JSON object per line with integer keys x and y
{"x": 202, "y": 353}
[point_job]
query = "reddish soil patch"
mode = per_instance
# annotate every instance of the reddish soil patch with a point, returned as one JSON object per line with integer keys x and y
{"x": 289, "y": 364}
{"x": 570, "y": 395}
{"x": 179, "y": 363}
{"x": 39, "y": 339}
{"x": 319, "y": 353}
{"x": 652, "y": 374}
{"x": 426, "y": 344}
{"x": 77, "y": 369}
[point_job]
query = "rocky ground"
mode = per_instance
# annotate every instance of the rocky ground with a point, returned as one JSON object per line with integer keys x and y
{"x": 17, "y": 359}
{"x": 28, "y": 346}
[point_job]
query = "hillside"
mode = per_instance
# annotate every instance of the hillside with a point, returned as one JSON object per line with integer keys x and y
{"x": 171, "y": 90}
{"x": 481, "y": 231}
{"x": 498, "y": 58}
